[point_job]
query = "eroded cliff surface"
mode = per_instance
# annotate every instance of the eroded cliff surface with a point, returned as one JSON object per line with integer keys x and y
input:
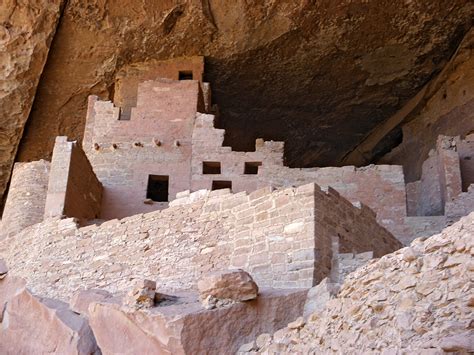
{"x": 26, "y": 31}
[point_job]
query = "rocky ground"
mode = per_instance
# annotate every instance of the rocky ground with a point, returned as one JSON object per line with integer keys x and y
{"x": 418, "y": 300}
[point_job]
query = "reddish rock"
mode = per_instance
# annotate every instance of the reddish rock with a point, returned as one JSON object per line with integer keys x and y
{"x": 3, "y": 269}
{"x": 235, "y": 285}
{"x": 81, "y": 300}
{"x": 32, "y": 325}
{"x": 183, "y": 327}
{"x": 142, "y": 295}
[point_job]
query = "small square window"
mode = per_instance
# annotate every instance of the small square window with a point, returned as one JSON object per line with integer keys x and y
{"x": 211, "y": 167}
{"x": 221, "y": 184}
{"x": 186, "y": 75}
{"x": 157, "y": 189}
{"x": 251, "y": 168}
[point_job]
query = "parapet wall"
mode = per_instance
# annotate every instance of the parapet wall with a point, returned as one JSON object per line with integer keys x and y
{"x": 26, "y": 197}
{"x": 73, "y": 188}
{"x": 283, "y": 238}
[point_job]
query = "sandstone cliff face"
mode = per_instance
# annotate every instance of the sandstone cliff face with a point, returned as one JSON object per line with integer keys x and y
{"x": 416, "y": 299}
{"x": 26, "y": 31}
{"x": 448, "y": 109}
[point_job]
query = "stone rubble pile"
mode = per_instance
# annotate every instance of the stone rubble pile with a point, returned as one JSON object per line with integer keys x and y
{"x": 416, "y": 300}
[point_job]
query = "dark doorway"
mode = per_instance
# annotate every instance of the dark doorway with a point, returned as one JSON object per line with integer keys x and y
{"x": 211, "y": 167}
{"x": 221, "y": 184}
{"x": 251, "y": 168}
{"x": 186, "y": 75}
{"x": 157, "y": 189}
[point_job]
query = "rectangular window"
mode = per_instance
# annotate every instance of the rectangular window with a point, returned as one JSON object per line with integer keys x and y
{"x": 211, "y": 167}
{"x": 186, "y": 75}
{"x": 157, "y": 189}
{"x": 251, "y": 168}
{"x": 221, "y": 184}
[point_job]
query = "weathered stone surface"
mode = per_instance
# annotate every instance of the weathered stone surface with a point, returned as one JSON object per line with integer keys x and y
{"x": 142, "y": 295}
{"x": 319, "y": 296}
{"x": 397, "y": 304}
{"x": 183, "y": 327}
{"x": 3, "y": 269}
{"x": 235, "y": 285}
{"x": 26, "y": 31}
{"x": 447, "y": 107}
{"x": 32, "y": 325}
{"x": 81, "y": 300}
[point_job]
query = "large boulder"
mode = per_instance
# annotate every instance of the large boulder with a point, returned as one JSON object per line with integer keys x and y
{"x": 33, "y": 325}
{"x": 235, "y": 285}
{"x": 182, "y": 326}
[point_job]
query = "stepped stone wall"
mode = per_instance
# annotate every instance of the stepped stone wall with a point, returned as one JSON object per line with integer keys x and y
{"x": 26, "y": 197}
{"x": 282, "y": 238}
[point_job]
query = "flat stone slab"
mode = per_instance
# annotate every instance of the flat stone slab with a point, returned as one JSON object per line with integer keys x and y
{"x": 183, "y": 326}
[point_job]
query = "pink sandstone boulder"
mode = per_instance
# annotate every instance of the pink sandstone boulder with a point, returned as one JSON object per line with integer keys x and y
{"x": 184, "y": 327}
{"x": 32, "y": 325}
{"x": 3, "y": 269}
{"x": 236, "y": 285}
{"x": 81, "y": 300}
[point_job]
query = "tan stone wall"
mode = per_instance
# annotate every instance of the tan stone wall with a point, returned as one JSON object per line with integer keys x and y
{"x": 129, "y": 77}
{"x": 445, "y": 174}
{"x": 382, "y": 187}
{"x": 155, "y": 141}
{"x": 26, "y": 197}
{"x": 465, "y": 149}
{"x": 73, "y": 188}
{"x": 461, "y": 206}
{"x": 208, "y": 147}
{"x": 273, "y": 235}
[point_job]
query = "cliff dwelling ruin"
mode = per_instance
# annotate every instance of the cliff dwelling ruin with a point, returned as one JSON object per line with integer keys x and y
{"x": 176, "y": 218}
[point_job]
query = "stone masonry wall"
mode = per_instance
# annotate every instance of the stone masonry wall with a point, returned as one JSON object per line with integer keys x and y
{"x": 73, "y": 188}
{"x": 461, "y": 206}
{"x": 26, "y": 197}
{"x": 155, "y": 141}
{"x": 273, "y": 235}
{"x": 208, "y": 147}
{"x": 382, "y": 187}
{"x": 445, "y": 175}
{"x": 129, "y": 77}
